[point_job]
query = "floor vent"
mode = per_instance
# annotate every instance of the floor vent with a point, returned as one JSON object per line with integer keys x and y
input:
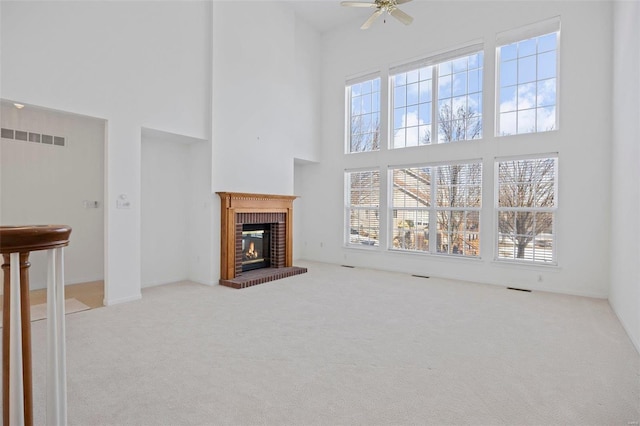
{"x": 419, "y": 276}
{"x": 519, "y": 289}
{"x": 21, "y": 135}
{"x": 347, "y": 266}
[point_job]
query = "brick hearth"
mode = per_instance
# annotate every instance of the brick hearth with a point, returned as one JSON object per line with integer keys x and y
{"x": 260, "y": 276}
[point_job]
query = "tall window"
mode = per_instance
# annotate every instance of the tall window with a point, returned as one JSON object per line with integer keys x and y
{"x": 412, "y": 101}
{"x": 528, "y": 85}
{"x": 455, "y": 86}
{"x": 452, "y": 218}
{"x": 364, "y": 116}
{"x": 527, "y": 201}
{"x": 411, "y": 201}
{"x": 363, "y": 207}
{"x": 460, "y": 99}
{"x": 459, "y": 199}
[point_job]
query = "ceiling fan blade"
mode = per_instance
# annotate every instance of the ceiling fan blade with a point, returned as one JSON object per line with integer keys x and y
{"x": 402, "y": 1}
{"x": 357, "y": 4}
{"x": 372, "y": 18}
{"x": 401, "y": 16}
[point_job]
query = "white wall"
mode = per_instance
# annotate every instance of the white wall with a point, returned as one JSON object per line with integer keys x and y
{"x": 164, "y": 210}
{"x": 201, "y": 234}
{"x": 265, "y": 99}
{"x": 306, "y": 121}
{"x": 133, "y": 63}
{"x": 150, "y": 64}
{"x": 39, "y": 184}
{"x": 175, "y": 209}
{"x": 625, "y": 196}
{"x": 253, "y": 91}
{"x": 307, "y": 129}
{"x": 582, "y": 142}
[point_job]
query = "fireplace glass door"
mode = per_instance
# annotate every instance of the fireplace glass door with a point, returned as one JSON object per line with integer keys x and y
{"x": 255, "y": 246}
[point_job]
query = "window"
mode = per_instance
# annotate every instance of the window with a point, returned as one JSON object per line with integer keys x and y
{"x": 527, "y": 201}
{"x": 460, "y": 99}
{"x": 364, "y": 116}
{"x": 459, "y": 198}
{"x": 411, "y": 201}
{"x": 457, "y": 94}
{"x": 433, "y": 204}
{"x": 527, "y": 89}
{"x": 453, "y": 219}
{"x": 412, "y": 101}
{"x": 363, "y": 207}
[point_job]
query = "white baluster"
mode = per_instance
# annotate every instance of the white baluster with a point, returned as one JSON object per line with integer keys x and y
{"x": 56, "y": 354}
{"x": 16, "y": 407}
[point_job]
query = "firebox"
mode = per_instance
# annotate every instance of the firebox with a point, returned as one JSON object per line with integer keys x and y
{"x": 256, "y": 246}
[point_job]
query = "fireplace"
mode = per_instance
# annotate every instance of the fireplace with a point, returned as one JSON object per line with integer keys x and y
{"x": 256, "y": 239}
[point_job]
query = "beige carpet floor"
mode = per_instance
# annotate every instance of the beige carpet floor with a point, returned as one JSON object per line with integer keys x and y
{"x": 340, "y": 346}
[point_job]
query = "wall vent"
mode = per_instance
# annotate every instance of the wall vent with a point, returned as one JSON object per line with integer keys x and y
{"x": 21, "y": 135}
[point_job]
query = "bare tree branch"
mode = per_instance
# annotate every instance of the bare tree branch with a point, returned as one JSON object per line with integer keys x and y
{"x": 528, "y": 183}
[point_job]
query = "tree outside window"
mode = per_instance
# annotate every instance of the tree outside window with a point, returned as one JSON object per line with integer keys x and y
{"x": 459, "y": 199}
{"x": 438, "y": 103}
{"x": 527, "y": 202}
{"x": 453, "y": 218}
{"x": 363, "y": 207}
{"x": 364, "y": 116}
{"x": 527, "y": 86}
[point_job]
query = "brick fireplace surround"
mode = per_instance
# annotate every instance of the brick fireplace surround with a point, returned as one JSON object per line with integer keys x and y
{"x": 238, "y": 209}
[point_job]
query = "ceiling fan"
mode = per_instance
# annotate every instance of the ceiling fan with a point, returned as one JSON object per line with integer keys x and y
{"x": 389, "y": 6}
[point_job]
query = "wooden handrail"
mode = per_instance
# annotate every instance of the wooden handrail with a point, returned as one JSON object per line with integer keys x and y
{"x": 23, "y": 240}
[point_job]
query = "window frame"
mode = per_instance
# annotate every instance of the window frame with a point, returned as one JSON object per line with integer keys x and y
{"x": 348, "y": 208}
{"x": 392, "y": 208}
{"x": 434, "y": 209}
{"x": 551, "y": 210}
{"x": 349, "y": 115}
{"x": 517, "y": 35}
{"x": 434, "y": 61}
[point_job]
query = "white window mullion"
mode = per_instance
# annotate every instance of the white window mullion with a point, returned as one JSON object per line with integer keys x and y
{"x": 385, "y": 113}
{"x": 434, "y": 106}
{"x": 433, "y": 214}
{"x": 382, "y": 212}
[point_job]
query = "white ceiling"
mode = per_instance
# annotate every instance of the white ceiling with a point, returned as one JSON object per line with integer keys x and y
{"x": 325, "y": 15}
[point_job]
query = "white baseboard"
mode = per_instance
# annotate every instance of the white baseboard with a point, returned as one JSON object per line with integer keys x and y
{"x": 112, "y": 302}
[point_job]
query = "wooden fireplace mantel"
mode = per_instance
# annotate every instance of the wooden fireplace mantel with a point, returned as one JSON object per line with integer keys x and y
{"x": 232, "y": 203}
